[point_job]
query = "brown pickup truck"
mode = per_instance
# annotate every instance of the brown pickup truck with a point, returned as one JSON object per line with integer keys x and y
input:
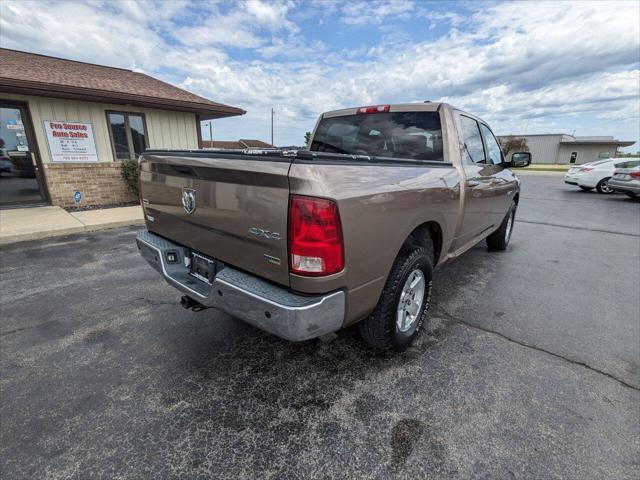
{"x": 303, "y": 243}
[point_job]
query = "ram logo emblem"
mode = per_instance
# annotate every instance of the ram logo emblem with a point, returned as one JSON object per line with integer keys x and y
{"x": 189, "y": 200}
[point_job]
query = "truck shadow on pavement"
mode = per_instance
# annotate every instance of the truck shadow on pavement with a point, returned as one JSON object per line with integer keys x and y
{"x": 312, "y": 397}
{"x": 320, "y": 396}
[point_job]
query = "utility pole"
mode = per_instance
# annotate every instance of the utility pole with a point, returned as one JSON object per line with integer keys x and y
{"x": 272, "y": 126}
{"x": 211, "y": 132}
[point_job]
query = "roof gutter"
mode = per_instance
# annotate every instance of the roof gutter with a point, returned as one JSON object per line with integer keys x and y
{"x": 620, "y": 143}
{"x": 205, "y": 111}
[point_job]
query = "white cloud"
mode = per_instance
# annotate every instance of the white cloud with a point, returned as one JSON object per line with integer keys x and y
{"x": 553, "y": 65}
{"x": 436, "y": 18}
{"x": 375, "y": 12}
{"x": 240, "y": 28}
{"x": 87, "y": 32}
{"x": 225, "y": 32}
{"x": 271, "y": 14}
{"x": 578, "y": 97}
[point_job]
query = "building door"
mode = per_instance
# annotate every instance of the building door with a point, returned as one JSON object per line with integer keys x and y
{"x": 21, "y": 179}
{"x": 574, "y": 157}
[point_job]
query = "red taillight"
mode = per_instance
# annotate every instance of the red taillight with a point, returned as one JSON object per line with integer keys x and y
{"x": 315, "y": 237}
{"x": 635, "y": 174}
{"x": 374, "y": 109}
{"x": 585, "y": 169}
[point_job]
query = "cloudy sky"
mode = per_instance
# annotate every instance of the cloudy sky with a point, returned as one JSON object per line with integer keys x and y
{"x": 535, "y": 67}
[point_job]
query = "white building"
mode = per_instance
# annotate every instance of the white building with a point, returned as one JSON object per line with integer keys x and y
{"x": 560, "y": 148}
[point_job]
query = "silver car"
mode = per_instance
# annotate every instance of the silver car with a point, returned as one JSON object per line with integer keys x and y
{"x": 627, "y": 180}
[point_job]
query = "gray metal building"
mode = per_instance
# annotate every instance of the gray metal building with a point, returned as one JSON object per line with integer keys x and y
{"x": 560, "y": 148}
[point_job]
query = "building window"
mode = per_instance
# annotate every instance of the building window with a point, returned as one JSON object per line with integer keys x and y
{"x": 605, "y": 155}
{"x": 128, "y": 133}
{"x": 574, "y": 157}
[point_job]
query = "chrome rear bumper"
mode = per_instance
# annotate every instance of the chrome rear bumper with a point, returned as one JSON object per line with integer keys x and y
{"x": 258, "y": 302}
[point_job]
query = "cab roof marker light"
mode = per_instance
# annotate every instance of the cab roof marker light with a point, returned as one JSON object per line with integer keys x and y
{"x": 374, "y": 109}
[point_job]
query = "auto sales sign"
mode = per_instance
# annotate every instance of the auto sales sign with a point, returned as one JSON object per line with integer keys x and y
{"x": 70, "y": 141}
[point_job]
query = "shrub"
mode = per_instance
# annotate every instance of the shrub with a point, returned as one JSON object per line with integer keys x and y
{"x": 130, "y": 174}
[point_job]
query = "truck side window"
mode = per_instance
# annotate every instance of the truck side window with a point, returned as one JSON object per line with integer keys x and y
{"x": 472, "y": 140}
{"x": 495, "y": 153}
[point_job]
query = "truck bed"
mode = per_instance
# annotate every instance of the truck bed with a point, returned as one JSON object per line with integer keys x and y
{"x": 241, "y": 197}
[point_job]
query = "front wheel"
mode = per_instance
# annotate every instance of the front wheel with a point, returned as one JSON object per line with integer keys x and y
{"x": 603, "y": 186}
{"x": 499, "y": 239}
{"x": 402, "y": 309}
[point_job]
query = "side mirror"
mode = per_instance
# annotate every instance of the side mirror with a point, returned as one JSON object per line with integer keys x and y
{"x": 520, "y": 160}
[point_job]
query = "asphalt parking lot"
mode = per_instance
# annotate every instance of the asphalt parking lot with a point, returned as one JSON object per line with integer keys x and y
{"x": 530, "y": 368}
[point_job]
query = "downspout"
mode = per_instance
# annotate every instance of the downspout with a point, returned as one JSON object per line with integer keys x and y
{"x": 199, "y": 131}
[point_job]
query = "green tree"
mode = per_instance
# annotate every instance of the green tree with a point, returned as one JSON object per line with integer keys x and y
{"x": 513, "y": 144}
{"x": 307, "y": 138}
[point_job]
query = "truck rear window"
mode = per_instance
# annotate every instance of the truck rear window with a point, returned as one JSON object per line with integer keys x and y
{"x": 411, "y": 135}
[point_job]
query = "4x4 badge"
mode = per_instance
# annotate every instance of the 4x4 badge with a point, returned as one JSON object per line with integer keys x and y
{"x": 189, "y": 200}
{"x": 259, "y": 232}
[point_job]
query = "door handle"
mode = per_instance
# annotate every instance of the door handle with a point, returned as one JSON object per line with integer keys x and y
{"x": 472, "y": 183}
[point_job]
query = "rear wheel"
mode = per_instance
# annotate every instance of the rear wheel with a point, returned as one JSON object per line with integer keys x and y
{"x": 499, "y": 239}
{"x": 603, "y": 186}
{"x": 402, "y": 309}
{"x": 586, "y": 189}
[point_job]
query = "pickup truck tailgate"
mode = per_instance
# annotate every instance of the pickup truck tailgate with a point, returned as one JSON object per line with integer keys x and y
{"x": 241, "y": 207}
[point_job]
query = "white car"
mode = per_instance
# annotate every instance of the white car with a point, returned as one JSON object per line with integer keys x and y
{"x": 595, "y": 174}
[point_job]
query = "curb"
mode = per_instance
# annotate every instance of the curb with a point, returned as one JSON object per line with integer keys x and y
{"x": 24, "y": 237}
{"x": 540, "y": 172}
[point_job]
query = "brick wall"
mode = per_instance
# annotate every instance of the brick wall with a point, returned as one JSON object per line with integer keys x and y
{"x": 99, "y": 183}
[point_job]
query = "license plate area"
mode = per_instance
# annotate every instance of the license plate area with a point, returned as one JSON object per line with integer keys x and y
{"x": 204, "y": 268}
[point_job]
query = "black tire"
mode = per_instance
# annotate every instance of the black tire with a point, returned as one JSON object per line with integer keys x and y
{"x": 586, "y": 189}
{"x": 499, "y": 240}
{"x": 603, "y": 186}
{"x": 380, "y": 329}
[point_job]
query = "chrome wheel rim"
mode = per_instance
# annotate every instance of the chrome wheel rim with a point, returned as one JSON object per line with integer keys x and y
{"x": 605, "y": 187}
{"x": 507, "y": 234}
{"x": 411, "y": 299}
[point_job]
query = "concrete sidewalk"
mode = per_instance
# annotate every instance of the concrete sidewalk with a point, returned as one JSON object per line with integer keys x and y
{"x": 21, "y": 224}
